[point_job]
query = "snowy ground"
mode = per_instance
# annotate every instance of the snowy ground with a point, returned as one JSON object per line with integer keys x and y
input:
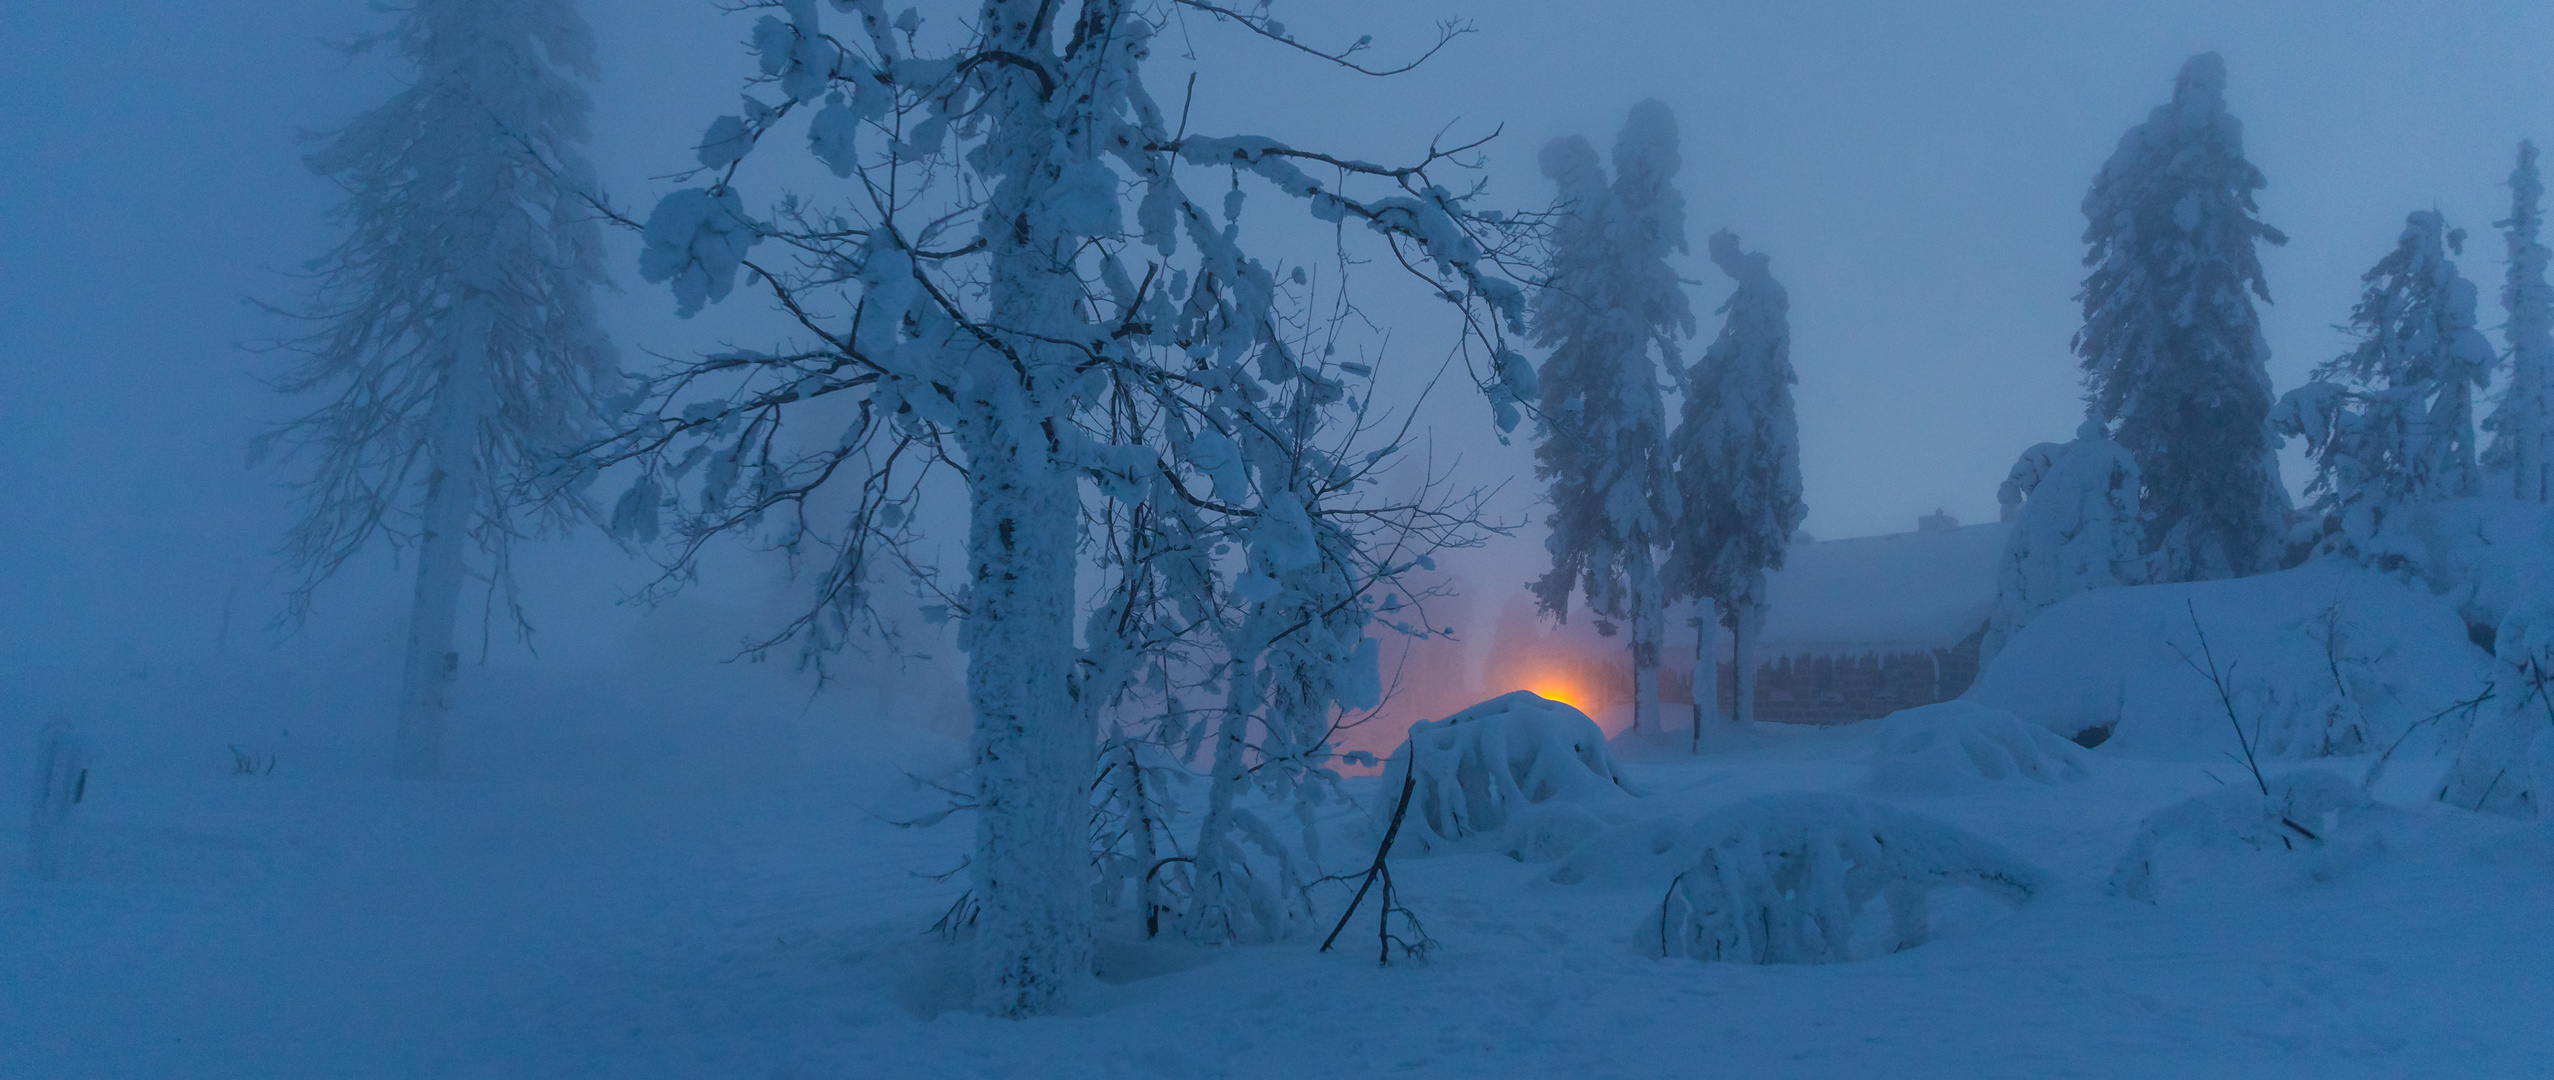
{"x": 717, "y": 899}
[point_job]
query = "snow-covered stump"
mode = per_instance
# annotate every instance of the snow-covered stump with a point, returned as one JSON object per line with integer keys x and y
{"x": 1519, "y": 773}
{"x": 1961, "y": 744}
{"x": 61, "y": 777}
{"x": 2310, "y": 824}
{"x": 1791, "y": 879}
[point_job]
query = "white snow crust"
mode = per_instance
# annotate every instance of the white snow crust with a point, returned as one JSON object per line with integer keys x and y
{"x": 683, "y": 870}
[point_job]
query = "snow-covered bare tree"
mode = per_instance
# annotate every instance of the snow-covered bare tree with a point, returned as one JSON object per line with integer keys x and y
{"x": 2520, "y": 460}
{"x": 2391, "y": 422}
{"x": 457, "y": 344}
{"x": 1737, "y": 456}
{"x": 2073, "y": 506}
{"x": 1612, "y": 311}
{"x": 1118, "y": 397}
{"x": 2172, "y": 348}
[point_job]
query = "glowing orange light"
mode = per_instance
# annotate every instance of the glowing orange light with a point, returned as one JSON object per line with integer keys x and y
{"x": 1559, "y": 690}
{"x": 1568, "y": 684}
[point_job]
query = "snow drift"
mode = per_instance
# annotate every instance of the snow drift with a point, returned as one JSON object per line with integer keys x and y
{"x": 2327, "y": 658}
{"x": 1957, "y": 745}
{"x": 1520, "y": 773}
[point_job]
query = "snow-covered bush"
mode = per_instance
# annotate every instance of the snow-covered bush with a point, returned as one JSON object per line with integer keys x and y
{"x": 1792, "y": 879}
{"x": 2075, "y": 528}
{"x": 2327, "y": 658}
{"x": 2506, "y": 764}
{"x": 1520, "y": 774}
{"x": 2308, "y": 827}
{"x": 1962, "y": 744}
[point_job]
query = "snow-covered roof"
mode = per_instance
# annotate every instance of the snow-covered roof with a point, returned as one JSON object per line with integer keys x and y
{"x": 1905, "y": 592}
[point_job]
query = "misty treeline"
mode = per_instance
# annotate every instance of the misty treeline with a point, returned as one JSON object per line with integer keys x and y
{"x": 1192, "y": 496}
{"x": 2173, "y": 475}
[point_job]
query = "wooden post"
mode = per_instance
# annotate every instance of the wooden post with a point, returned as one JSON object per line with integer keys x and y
{"x": 61, "y": 781}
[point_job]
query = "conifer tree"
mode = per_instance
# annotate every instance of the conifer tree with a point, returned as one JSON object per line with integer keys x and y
{"x": 1737, "y": 458}
{"x": 457, "y": 337}
{"x": 2520, "y": 460}
{"x": 1611, "y": 313}
{"x": 2391, "y": 422}
{"x": 2172, "y": 349}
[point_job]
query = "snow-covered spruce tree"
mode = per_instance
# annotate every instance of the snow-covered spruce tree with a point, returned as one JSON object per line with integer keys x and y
{"x": 978, "y": 298}
{"x": 2171, "y": 346}
{"x": 2075, "y": 529}
{"x": 457, "y": 340}
{"x": 1737, "y": 457}
{"x": 1612, "y": 311}
{"x": 2520, "y": 460}
{"x": 2391, "y": 422}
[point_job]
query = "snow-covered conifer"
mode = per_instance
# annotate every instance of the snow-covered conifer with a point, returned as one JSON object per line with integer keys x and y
{"x": 458, "y": 344}
{"x": 2391, "y": 422}
{"x": 2172, "y": 349}
{"x": 2521, "y": 457}
{"x": 1612, "y": 311}
{"x": 1017, "y": 281}
{"x": 2075, "y": 528}
{"x": 1737, "y": 457}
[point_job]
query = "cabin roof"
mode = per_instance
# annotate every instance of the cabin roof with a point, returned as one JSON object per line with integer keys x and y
{"x": 1879, "y": 595}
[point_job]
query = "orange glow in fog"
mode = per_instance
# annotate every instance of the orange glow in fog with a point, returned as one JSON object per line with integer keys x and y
{"x": 1560, "y": 690}
{"x": 1569, "y": 687}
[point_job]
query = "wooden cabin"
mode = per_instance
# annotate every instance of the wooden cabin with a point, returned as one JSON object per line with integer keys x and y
{"x": 1860, "y": 628}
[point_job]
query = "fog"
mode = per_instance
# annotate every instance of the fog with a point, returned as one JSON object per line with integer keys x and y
{"x": 1914, "y": 170}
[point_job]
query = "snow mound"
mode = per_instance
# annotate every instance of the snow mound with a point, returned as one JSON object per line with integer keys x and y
{"x": 1956, "y": 745}
{"x": 2506, "y": 762}
{"x": 2327, "y": 658}
{"x": 1793, "y": 878}
{"x": 1521, "y": 774}
{"x": 2310, "y": 827}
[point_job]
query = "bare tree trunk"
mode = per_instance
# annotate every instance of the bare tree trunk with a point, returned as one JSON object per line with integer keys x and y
{"x": 1706, "y": 668}
{"x": 425, "y": 687}
{"x": 1649, "y": 625}
{"x": 1751, "y": 618}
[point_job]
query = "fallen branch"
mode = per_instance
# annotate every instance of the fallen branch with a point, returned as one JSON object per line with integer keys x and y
{"x": 1382, "y": 870}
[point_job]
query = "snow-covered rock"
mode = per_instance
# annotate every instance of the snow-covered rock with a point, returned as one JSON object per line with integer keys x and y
{"x": 1958, "y": 745}
{"x": 1520, "y": 774}
{"x": 2327, "y": 658}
